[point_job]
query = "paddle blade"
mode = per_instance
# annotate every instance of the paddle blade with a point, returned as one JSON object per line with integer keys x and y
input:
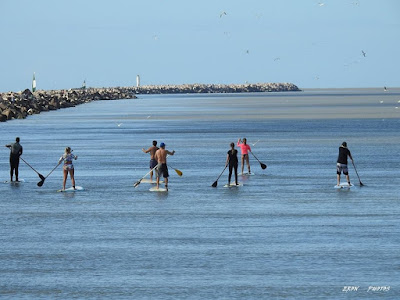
{"x": 40, "y": 183}
{"x": 178, "y": 172}
{"x": 41, "y": 177}
{"x": 361, "y": 184}
{"x": 215, "y": 184}
{"x": 136, "y": 183}
{"x": 263, "y": 166}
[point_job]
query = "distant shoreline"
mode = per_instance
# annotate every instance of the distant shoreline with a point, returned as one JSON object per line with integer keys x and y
{"x": 19, "y": 105}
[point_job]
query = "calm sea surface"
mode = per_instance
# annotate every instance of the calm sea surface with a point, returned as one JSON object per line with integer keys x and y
{"x": 285, "y": 234}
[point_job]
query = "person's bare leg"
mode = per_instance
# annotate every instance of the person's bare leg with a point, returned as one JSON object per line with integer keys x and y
{"x": 348, "y": 179}
{"x": 71, "y": 174}
{"x": 65, "y": 172}
{"x": 248, "y": 163}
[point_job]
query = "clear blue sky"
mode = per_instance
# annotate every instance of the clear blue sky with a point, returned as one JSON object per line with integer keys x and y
{"x": 313, "y": 44}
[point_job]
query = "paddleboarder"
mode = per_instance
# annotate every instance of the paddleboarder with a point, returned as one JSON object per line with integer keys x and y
{"x": 153, "y": 162}
{"x": 162, "y": 169}
{"x": 68, "y": 167}
{"x": 15, "y": 153}
{"x": 232, "y": 160}
{"x": 341, "y": 165}
{"x": 245, "y": 149}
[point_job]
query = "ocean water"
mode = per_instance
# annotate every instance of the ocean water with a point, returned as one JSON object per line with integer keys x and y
{"x": 285, "y": 234}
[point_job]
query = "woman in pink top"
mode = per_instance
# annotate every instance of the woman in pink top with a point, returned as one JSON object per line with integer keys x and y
{"x": 245, "y": 153}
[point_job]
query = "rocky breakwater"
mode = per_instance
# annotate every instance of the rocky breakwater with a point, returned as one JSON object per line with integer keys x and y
{"x": 216, "y": 88}
{"x": 21, "y": 104}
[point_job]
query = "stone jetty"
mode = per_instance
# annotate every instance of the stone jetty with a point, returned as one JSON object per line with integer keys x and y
{"x": 19, "y": 105}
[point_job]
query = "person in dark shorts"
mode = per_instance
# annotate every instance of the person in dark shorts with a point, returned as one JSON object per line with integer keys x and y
{"x": 341, "y": 165}
{"x": 162, "y": 169}
{"x": 15, "y": 153}
{"x": 232, "y": 160}
{"x": 153, "y": 162}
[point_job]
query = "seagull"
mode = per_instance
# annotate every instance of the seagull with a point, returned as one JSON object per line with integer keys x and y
{"x": 247, "y": 51}
{"x": 363, "y": 53}
{"x": 381, "y": 101}
{"x": 119, "y": 124}
{"x": 277, "y": 58}
{"x": 384, "y": 89}
{"x": 222, "y": 14}
{"x": 321, "y": 4}
{"x": 255, "y": 143}
{"x": 148, "y": 117}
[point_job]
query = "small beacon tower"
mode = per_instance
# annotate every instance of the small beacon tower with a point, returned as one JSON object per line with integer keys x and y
{"x": 137, "y": 80}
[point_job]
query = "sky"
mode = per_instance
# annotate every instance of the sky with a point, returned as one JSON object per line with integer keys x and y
{"x": 313, "y": 44}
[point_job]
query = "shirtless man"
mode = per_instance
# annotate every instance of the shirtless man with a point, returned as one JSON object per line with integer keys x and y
{"x": 153, "y": 162}
{"x": 161, "y": 157}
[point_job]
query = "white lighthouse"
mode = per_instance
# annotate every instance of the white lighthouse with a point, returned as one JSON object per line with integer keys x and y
{"x": 33, "y": 83}
{"x": 137, "y": 80}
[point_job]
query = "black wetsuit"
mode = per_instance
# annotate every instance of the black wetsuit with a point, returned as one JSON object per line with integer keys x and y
{"x": 15, "y": 153}
{"x": 233, "y": 164}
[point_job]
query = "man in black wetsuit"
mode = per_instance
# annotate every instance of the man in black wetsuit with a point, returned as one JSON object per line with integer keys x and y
{"x": 341, "y": 165}
{"x": 15, "y": 153}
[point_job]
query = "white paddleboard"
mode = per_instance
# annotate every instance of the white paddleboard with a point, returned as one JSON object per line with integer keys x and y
{"x": 15, "y": 182}
{"x": 160, "y": 189}
{"x": 248, "y": 174}
{"x": 147, "y": 180}
{"x": 233, "y": 185}
{"x": 71, "y": 189}
{"x": 344, "y": 185}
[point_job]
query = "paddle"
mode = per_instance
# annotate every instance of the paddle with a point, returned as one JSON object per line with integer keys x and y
{"x": 177, "y": 171}
{"x": 216, "y": 181}
{"x": 361, "y": 184}
{"x": 140, "y": 180}
{"x": 40, "y": 175}
{"x": 263, "y": 166}
{"x": 40, "y": 183}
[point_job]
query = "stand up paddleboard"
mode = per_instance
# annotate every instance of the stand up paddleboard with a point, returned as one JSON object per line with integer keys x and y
{"x": 248, "y": 174}
{"x": 160, "y": 189}
{"x": 233, "y": 185}
{"x": 71, "y": 189}
{"x": 344, "y": 185}
{"x": 147, "y": 180}
{"x": 15, "y": 182}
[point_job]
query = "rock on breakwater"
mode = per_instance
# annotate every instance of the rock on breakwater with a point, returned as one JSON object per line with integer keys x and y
{"x": 21, "y": 104}
{"x": 18, "y": 105}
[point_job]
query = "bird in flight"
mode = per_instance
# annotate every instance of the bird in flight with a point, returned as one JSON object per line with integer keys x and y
{"x": 255, "y": 143}
{"x": 363, "y": 53}
{"x": 222, "y": 14}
